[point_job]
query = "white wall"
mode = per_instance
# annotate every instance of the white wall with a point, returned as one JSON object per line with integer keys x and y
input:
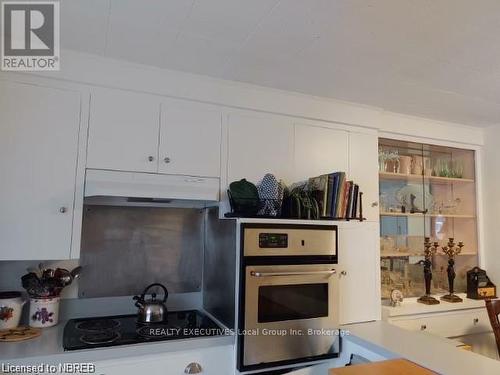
{"x": 491, "y": 190}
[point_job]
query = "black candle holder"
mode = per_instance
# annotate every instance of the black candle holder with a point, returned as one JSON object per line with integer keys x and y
{"x": 452, "y": 250}
{"x": 429, "y": 251}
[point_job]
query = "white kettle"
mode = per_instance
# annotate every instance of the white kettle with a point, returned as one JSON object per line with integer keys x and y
{"x": 11, "y": 308}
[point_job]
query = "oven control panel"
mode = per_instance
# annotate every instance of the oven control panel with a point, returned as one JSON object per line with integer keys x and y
{"x": 273, "y": 240}
{"x": 289, "y": 240}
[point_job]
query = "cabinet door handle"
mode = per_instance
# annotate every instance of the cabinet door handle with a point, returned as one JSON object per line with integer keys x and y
{"x": 63, "y": 210}
{"x": 423, "y": 327}
{"x": 343, "y": 273}
{"x": 151, "y": 158}
{"x": 374, "y": 204}
{"x": 476, "y": 320}
{"x": 193, "y": 368}
{"x": 166, "y": 160}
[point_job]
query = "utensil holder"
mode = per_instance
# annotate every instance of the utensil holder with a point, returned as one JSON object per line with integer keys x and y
{"x": 44, "y": 312}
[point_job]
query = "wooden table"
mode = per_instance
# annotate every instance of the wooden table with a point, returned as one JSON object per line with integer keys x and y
{"x": 391, "y": 367}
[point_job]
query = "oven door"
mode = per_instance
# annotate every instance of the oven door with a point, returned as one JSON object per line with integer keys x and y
{"x": 290, "y": 313}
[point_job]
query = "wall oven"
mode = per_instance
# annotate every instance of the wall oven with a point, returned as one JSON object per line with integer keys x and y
{"x": 288, "y": 295}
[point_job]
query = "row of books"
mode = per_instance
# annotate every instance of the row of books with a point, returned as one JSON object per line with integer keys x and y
{"x": 336, "y": 196}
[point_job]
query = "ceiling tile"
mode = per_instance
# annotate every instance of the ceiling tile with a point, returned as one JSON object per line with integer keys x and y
{"x": 227, "y": 20}
{"x": 144, "y": 31}
{"x": 84, "y": 24}
{"x": 430, "y": 58}
{"x": 199, "y": 55}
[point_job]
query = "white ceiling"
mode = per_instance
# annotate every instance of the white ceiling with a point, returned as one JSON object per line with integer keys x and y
{"x": 433, "y": 58}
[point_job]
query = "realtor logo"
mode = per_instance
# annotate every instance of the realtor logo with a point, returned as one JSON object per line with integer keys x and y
{"x": 30, "y": 35}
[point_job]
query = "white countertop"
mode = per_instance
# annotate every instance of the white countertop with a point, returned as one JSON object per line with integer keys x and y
{"x": 433, "y": 352}
{"x": 48, "y": 348}
{"x": 382, "y": 338}
{"x": 410, "y": 306}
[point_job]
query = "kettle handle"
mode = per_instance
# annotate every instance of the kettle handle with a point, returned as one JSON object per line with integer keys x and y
{"x": 165, "y": 291}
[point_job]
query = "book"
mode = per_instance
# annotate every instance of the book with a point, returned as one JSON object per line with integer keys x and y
{"x": 340, "y": 191}
{"x": 354, "y": 211}
{"x": 331, "y": 191}
{"x": 348, "y": 200}
{"x": 319, "y": 190}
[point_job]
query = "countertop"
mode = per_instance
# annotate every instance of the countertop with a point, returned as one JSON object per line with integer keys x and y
{"x": 381, "y": 338}
{"x": 410, "y": 306}
{"x": 48, "y": 348}
{"x": 432, "y": 352}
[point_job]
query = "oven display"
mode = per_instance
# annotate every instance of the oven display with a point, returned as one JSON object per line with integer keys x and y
{"x": 273, "y": 240}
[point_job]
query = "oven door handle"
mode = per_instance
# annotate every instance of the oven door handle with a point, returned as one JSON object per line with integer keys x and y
{"x": 298, "y": 273}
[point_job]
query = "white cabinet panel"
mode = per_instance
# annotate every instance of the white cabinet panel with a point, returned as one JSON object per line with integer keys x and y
{"x": 190, "y": 139}
{"x": 39, "y": 146}
{"x": 257, "y": 146}
{"x": 123, "y": 131}
{"x": 359, "y": 272}
{"x": 448, "y": 324}
{"x": 363, "y": 168}
{"x": 213, "y": 361}
{"x": 319, "y": 151}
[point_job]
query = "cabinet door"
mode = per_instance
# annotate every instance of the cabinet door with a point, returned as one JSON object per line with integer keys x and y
{"x": 363, "y": 169}
{"x": 258, "y": 146}
{"x": 190, "y": 140}
{"x": 359, "y": 272}
{"x": 39, "y": 145}
{"x": 319, "y": 151}
{"x": 123, "y": 131}
{"x": 213, "y": 361}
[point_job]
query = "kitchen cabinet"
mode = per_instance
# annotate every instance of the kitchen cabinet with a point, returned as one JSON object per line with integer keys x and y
{"x": 359, "y": 272}
{"x": 319, "y": 151}
{"x": 363, "y": 169}
{"x": 212, "y": 361}
{"x": 190, "y": 139}
{"x": 123, "y": 131}
{"x": 259, "y": 145}
{"x": 143, "y": 133}
{"x": 39, "y": 129}
{"x": 447, "y": 324}
{"x": 426, "y": 191}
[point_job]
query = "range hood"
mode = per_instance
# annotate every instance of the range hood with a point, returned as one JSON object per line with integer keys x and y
{"x": 149, "y": 189}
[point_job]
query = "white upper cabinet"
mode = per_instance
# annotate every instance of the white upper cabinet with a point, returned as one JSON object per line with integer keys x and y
{"x": 359, "y": 274}
{"x": 319, "y": 151}
{"x": 39, "y": 148}
{"x": 123, "y": 131}
{"x": 363, "y": 168}
{"x": 259, "y": 145}
{"x": 190, "y": 139}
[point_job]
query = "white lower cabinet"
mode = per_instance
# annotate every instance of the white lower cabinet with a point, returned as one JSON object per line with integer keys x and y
{"x": 447, "y": 324}
{"x": 212, "y": 361}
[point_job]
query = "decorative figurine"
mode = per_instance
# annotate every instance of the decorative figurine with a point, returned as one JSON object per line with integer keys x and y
{"x": 396, "y": 297}
{"x": 451, "y": 250}
{"x": 429, "y": 251}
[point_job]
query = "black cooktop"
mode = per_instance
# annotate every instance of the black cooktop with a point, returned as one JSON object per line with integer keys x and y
{"x": 97, "y": 332}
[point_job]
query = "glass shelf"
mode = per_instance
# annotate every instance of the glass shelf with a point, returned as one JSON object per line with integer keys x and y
{"x": 425, "y": 191}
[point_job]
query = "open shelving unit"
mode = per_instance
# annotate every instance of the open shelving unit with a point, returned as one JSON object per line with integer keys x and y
{"x": 425, "y": 191}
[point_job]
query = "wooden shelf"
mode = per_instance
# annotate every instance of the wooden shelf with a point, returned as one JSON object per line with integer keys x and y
{"x": 405, "y": 214}
{"x": 417, "y": 177}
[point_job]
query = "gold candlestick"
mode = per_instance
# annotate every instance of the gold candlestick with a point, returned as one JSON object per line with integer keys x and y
{"x": 429, "y": 251}
{"x": 452, "y": 250}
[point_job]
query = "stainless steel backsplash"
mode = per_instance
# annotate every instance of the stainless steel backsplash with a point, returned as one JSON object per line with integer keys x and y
{"x": 124, "y": 249}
